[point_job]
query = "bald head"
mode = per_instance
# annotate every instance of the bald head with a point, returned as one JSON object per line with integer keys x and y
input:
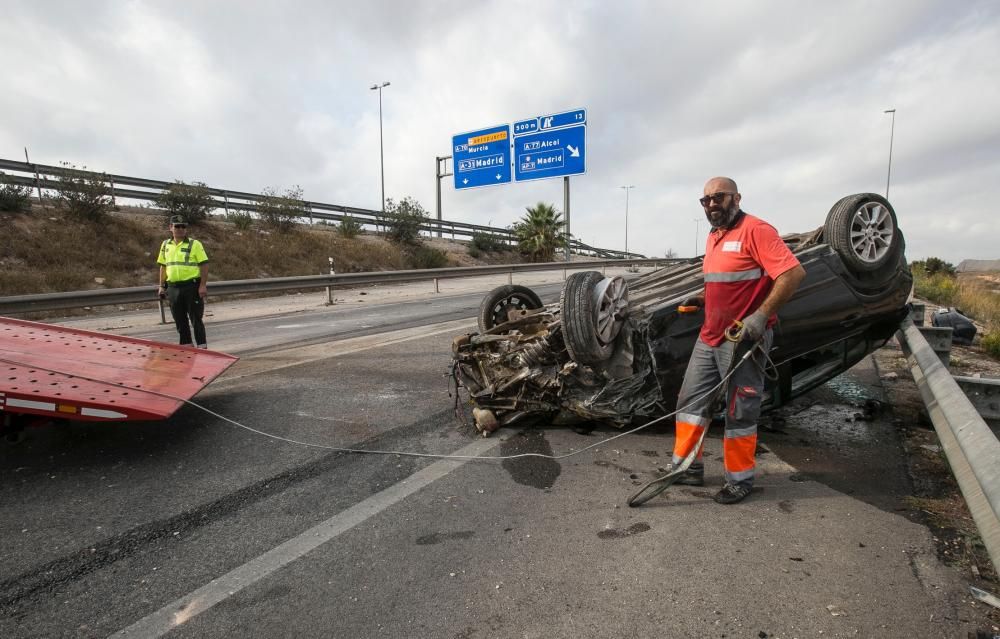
{"x": 724, "y": 184}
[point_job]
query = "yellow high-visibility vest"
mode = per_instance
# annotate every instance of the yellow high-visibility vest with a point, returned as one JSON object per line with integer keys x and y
{"x": 182, "y": 259}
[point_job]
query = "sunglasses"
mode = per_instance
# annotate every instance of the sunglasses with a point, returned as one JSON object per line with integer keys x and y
{"x": 716, "y": 198}
{"x": 180, "y": 226}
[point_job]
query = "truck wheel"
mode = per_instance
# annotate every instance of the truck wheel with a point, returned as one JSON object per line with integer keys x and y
{"x": 862, "y": 228}
{"x": 500, "y": 301}
{"x": 593, "y": 310}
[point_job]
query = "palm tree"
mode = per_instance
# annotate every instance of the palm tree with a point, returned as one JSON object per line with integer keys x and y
{"x": 540, "y": 232}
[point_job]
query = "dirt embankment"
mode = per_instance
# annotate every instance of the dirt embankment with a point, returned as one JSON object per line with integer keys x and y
{"x": 44, "y": 251}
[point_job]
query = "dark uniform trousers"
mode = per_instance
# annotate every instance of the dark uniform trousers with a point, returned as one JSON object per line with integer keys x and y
{"x": 186, "y": 304}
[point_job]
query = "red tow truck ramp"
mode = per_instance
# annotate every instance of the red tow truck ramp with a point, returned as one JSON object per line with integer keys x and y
{"x": 66, "y": 373}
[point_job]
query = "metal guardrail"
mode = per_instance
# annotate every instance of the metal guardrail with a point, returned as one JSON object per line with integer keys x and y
{"x": 17, "y": 304}
{"x": 243, "y": 201}
{"x": 973, "y": 451}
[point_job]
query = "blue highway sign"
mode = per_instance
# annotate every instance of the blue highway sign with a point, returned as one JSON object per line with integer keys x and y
{"x": 482, "y": 158}
{"x": 550, "y": 153}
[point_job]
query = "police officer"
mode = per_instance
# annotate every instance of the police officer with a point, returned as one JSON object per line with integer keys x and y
{"x": 183, "y": 279}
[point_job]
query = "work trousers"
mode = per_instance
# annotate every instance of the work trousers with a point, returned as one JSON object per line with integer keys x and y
{"x": 185, "y": 305}
{"x": 744, "y": 391}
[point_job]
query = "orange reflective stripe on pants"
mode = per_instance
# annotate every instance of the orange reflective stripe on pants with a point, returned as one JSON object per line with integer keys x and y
{"x": 686, "y": 439}
{"x": 738, "y": 453}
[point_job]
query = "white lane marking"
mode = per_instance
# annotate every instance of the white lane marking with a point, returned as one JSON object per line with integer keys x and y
{"x": 297, "y": 355}
{"x": 180, "y": 611}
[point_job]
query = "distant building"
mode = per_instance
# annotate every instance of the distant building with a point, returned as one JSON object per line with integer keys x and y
{"x": 978, "y": 266}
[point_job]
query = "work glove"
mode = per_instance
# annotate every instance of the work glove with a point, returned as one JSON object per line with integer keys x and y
{"x": 693, "y": 302}
{"x": 754, "y": 326}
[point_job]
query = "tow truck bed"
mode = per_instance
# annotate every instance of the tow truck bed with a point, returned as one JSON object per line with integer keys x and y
{"x": 67, "y": 373}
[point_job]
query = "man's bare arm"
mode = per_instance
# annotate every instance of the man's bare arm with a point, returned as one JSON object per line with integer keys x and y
{"x": 784, "y": 287}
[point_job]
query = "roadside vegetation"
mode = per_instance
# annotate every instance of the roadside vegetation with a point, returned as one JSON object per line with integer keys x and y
{"x": 193, "y": 201}
{"x": 976, "y": 297}
{"x": 541, "y": 232}
{"x": 84, "y": 195}
{"x": 49, "y": 246}
{"x": 14, "y": 198}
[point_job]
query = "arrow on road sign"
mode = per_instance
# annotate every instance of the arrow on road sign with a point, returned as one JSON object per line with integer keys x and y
{"x": 573, "y": 151}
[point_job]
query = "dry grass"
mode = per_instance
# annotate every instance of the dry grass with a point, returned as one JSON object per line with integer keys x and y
{"x": 976, "y": 294}
{"x": 46, "y": 251}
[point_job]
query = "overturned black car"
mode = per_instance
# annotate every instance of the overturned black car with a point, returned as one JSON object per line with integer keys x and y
{"x": 615, "y": 352}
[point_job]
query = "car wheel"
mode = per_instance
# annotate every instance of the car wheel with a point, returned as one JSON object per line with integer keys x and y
{"x": 498, "y": 303}
{"x": 862, "y": 229}
{"x": 593, "y": 310}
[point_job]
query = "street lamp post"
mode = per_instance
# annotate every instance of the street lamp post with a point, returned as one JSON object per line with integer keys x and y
{"x": 381, "y": 156}
{"x": 697, "y": 227}
{"x": 892, "y": 130}
{"x": 627, "y": 189}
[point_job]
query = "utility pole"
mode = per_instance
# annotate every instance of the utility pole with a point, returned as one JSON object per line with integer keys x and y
{"x": 440, "y": 171}
{"x": 892, "y": 130}
{"x": 697, "y": 227}
{"x": 381, "y": 156}
{"x": 627, "y": 188}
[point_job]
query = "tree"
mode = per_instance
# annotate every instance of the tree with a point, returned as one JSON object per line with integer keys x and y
{"x": 540, "y": 232}
{"x": 193, "y": 201}
{"x": 402, "y": 220}
{"x": 13, "y": 197}
{"x": 279, "y": 211}
{"x": 935, "y": 265}
{"x": 670, "y": 253}
{"x": 86, "y": 195}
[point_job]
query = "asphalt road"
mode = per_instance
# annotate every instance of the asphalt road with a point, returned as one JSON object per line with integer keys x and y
{"x": 197, "y": 527}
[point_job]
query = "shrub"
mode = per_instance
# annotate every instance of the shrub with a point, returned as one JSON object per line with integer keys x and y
{"x": 402, "y": 221}
{"x": 278, "y": 211}
{"x": 474, "y": 252}
{"x": 242, "y": 220}
{"x": 934, "y": 266}
{"x": 349, "y": 227}
{"x": 85, "y": 195}
{"x": 487, "y": 242}
{"x": 427, "y": 257}
{"x": 193, "y": 201}
{"x": 991, "y": 343}
{"x": 939, "y": 288}
{"x": 13, "y": 197}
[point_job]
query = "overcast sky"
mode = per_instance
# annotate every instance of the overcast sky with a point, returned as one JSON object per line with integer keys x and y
{"x": 787, "y": 98}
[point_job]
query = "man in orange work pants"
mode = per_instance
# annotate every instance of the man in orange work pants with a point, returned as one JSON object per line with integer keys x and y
{"x": 749, "y": 274}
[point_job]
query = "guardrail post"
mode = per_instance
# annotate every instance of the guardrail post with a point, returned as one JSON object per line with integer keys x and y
{"x": 984, "y": 393}
{"x": 225, "y": 199}
{"x": 564, "y": 275}
{"x": 917, "y": 313}
{"x": 436, "y": 289}
{"x": 510, "y": 277}
{"x": 939, "y": 338}
{"x": 329, "y": 289}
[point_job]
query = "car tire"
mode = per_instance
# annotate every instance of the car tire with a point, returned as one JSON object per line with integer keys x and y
{"x": 862, "y": 229}
{"x": 592, "y": 309}
{"x": 500, "y": 301}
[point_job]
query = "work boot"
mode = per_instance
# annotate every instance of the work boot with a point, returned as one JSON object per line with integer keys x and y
{"x": 732, "y": 493}
{"x": 693, "y": 476}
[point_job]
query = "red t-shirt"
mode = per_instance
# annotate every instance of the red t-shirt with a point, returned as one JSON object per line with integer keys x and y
{"x": 740, "y": 267}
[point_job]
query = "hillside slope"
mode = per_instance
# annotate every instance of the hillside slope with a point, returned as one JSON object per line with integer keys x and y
{"x": 43, "y": 251}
